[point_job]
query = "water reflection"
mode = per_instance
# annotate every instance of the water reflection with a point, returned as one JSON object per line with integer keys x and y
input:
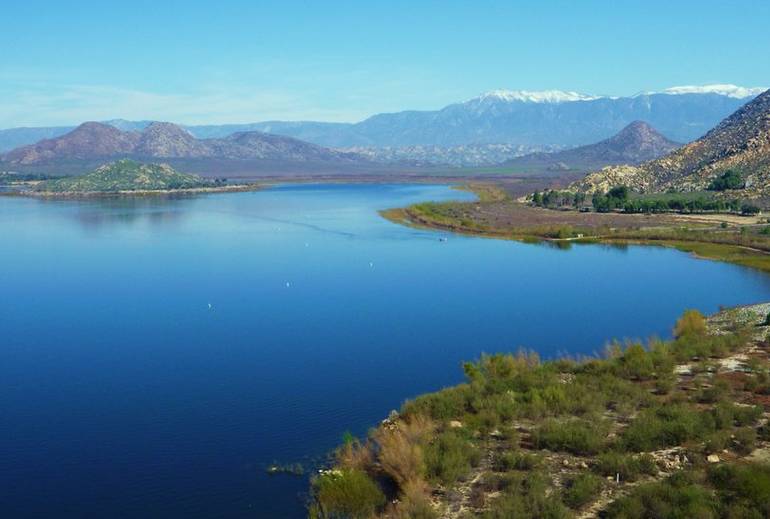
{"x": 155, "y": 211}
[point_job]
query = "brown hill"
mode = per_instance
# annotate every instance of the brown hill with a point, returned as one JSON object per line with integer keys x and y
{"x": 96, "y": 141}
{"x": 634, "y": 144}
{"x": 741, "y": 142}
{"x": 89, "y": 140}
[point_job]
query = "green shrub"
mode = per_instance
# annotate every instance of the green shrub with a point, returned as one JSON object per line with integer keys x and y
{"x": 635, "y": 363}
{"x": 629, "y": 467}
{"x": 666, "y": 426}
{"x": 581, "y": 490}
{"x": 678, "y": 497}
{"x": 345, "y": 494}
{"x": 730, "y": 179}
{"x": 745, "y": 440}
{"x": 692, "y": 323}
{"x": 742, "y": 488}
{"x": 447, "y": 404}
{"x": 450, "y": 456}
{"x": 717, "y": 441}
{"x": 718, "y": 391}
{"x": 527, "y": 497}
{"x": 580, "y": 437}
{"x": 508, "y": 461}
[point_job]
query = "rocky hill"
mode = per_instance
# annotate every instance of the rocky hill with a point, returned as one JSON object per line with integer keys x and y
{"x": 124, "y": 175}
{"x": 634, "y": 144}
{"x": 89, "y": 140}
{"x": 741, "y": 143}
{"x": 93, "y": 140}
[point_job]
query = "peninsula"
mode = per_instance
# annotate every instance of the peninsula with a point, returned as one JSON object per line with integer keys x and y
{"x": 128, "y": 177}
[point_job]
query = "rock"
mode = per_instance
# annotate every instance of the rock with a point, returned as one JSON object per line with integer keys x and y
{"x": 456, "y": 424}
{"x": 712, "y": 458}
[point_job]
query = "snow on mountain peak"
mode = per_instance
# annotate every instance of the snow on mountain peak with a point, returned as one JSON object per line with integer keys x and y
{"x": 543, "y": 96}
{"x": 562, "y": 96}
{"x": 728, "y": 90}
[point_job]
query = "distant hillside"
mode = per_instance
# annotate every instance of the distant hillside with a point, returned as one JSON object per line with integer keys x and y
{"x": 635, "y": 143}
{"x": 124, "y": 175}
{"x": 467, "y": 155}
{"x": 551, "y": 118}
{"x": 740, "y": 143}
{"x": 519, "y": 118}
{"x": 92, "y": 141}
{"x": 89, "y": 140}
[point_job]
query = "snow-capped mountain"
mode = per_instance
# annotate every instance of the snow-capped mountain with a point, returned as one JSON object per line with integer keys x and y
{"x": 550, "y": 118}
{"x": 725, "y": 90}
{"x": 530, "y": 96}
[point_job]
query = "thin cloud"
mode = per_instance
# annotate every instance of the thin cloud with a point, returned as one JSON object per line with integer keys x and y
{"x": 35, "y": 105}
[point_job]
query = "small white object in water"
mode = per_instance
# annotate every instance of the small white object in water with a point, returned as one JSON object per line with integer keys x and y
{"x": 288, "y": 284}
{"x": 211, "y": 307}
{"x": 371, "y": 264}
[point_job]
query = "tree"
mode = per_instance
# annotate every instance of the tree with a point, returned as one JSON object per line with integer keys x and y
{"x": 619, "y": 193}
{"x": 730, "y": 179}
{"x": 692, "y": 323}
{"x": 749, "y": 209}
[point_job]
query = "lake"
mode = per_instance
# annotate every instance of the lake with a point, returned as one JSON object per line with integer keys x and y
{"x": 157, "y": 354}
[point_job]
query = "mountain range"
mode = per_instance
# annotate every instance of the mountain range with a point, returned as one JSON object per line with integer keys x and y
{"x": 636, "y": 143}
{"x": 741, "y": 143}
{"x": 98, "y": 141}
{"x": 551, "y": 118}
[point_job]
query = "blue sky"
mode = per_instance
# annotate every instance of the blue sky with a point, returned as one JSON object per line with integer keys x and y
{"x": 243, "y": 61}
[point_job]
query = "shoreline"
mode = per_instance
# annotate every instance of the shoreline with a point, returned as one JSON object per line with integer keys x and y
{"x": 744, "y": 255}
{"x": 67, "y": 195}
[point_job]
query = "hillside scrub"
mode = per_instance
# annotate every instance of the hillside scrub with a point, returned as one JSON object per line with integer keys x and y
{"x": 527, "y": 438}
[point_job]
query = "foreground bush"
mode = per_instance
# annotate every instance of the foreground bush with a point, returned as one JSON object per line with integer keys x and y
{"x": 527, "y": 497}
{"x": 450, "y": 457}
{"x": 345, "y": 494}
{"x": 725, "y": 491}
{"x": 581, "y": 490}
{"x": 677, "y": 497}
{"x": 627, "y": 467}
{"x": 579, "y": 437}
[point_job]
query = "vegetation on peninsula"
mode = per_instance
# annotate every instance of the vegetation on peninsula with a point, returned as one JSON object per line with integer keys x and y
{"x": 124, "y": 175}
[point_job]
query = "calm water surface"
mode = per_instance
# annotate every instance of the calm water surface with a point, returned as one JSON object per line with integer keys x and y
{"x": 124, "y": 394}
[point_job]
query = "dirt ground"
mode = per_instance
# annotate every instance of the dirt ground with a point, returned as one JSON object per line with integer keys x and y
{"x": 511, "y": 214}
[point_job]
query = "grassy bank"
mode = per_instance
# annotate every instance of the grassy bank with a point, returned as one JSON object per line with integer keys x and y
{"x": 733, "y": 239}
{"x": 664, "y": 429}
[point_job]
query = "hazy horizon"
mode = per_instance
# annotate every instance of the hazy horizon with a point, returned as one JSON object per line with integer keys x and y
{"x": 245, "y": 62}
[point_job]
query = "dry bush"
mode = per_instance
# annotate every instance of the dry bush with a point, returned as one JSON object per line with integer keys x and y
{"x": 413, "y": 503}
{"x": 399, "y": 457}
{"x": 417, "y": 428}
{"x": 355, "y": 455}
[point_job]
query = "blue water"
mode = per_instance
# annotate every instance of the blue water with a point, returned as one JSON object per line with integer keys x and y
{"x": 122, "y": 394}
